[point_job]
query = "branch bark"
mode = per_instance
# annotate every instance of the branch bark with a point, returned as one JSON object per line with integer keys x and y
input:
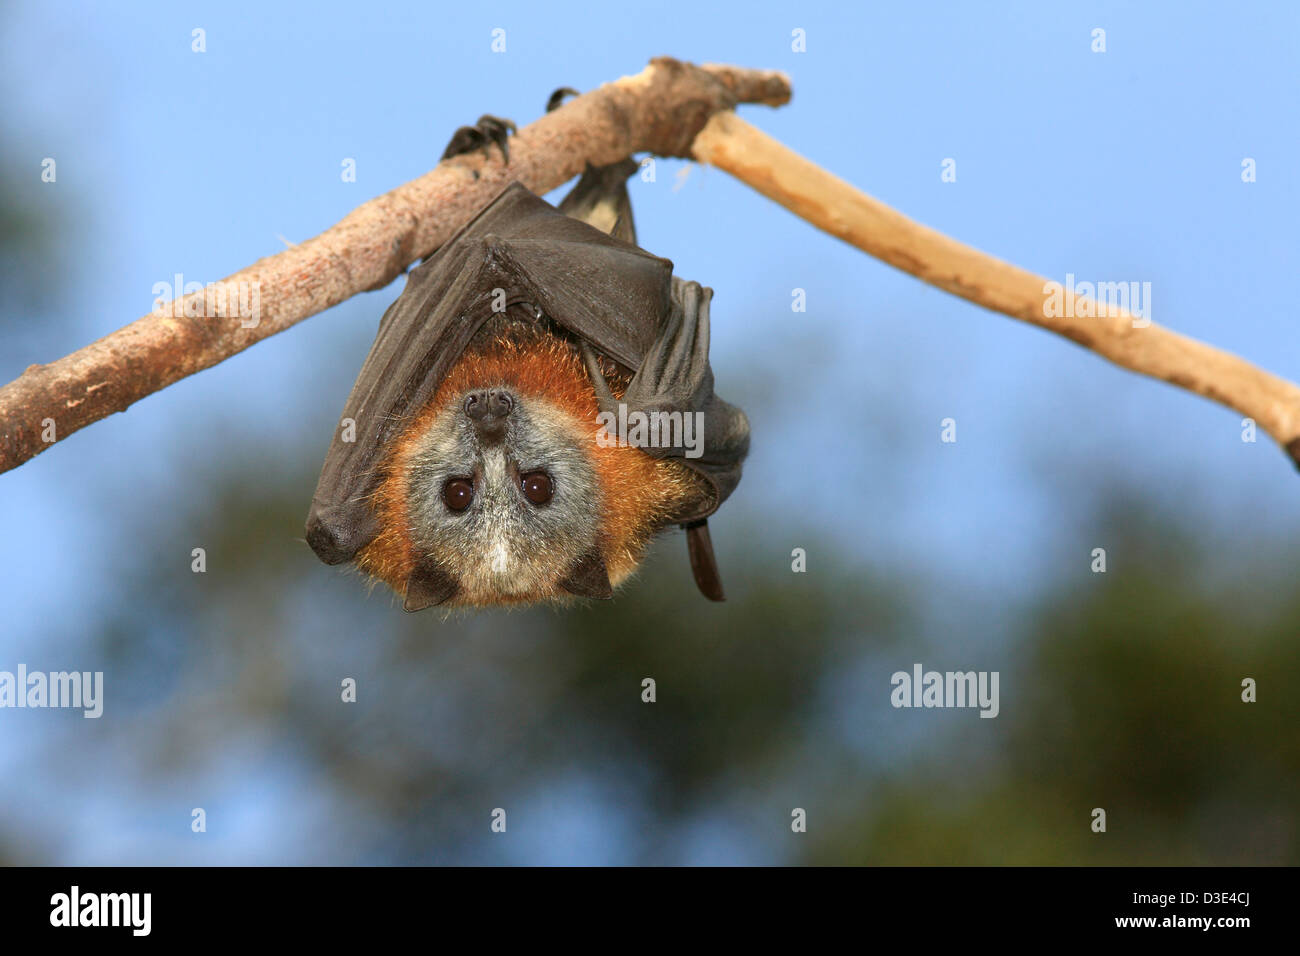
{"x": 659, "y": 110}
{"x": 836, "y": 207}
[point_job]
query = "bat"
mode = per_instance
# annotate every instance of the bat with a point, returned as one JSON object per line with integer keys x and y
{"x": 536, "y": 406}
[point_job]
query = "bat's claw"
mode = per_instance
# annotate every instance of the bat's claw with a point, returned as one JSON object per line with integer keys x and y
{"x": 481, "y": 136}
{"x": 604, "y": 397}
{"x": 558, "y": 97}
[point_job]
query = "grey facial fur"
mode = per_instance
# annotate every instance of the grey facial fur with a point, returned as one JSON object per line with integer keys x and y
{"x": 503, "y": 545}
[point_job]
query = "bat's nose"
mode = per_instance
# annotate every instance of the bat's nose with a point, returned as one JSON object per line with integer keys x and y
{"x": 488, "y": 409}
{"x": 488, "y": 403}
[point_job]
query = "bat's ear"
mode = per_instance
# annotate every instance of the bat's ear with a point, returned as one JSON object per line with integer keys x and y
{"x": 589, "y": 578}
{"x": 703, "y": 564}
{"x": 427, "y": 586}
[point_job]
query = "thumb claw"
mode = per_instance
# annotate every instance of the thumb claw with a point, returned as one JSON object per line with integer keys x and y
{"x": 604, "y": 397}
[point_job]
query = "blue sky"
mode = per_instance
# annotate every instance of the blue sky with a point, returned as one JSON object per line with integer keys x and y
{"x": 1118, "y": 166}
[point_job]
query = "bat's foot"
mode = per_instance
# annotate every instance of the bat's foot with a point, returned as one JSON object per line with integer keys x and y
{"x": 490, "y": 130}
{"x": 481, "y": 136}
{"x": 558, "y": 97}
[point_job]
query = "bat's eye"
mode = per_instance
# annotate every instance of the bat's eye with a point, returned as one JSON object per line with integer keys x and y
{"x": 457, "y": 494}
{"x": 537, "y": 487}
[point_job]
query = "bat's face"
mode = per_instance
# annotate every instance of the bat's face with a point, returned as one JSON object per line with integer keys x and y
{"x": 498, "y": 492}
{"x": 503, "y": 488}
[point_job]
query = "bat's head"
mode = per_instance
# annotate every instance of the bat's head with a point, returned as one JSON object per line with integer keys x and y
{"x": 499, "y": 491}
{"x": 502, "y": 491}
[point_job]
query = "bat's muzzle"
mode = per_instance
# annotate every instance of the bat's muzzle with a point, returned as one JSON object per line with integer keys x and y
{"x": 488, "y": 410}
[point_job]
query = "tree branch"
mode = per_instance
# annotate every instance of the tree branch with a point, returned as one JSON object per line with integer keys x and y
{"x": 836, "y": 207}
{"x": 670, "y": 109}
{"x": 659, "y": 110}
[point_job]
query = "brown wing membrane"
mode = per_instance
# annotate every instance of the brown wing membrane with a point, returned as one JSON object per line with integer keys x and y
{"x": 674, "y": 376}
